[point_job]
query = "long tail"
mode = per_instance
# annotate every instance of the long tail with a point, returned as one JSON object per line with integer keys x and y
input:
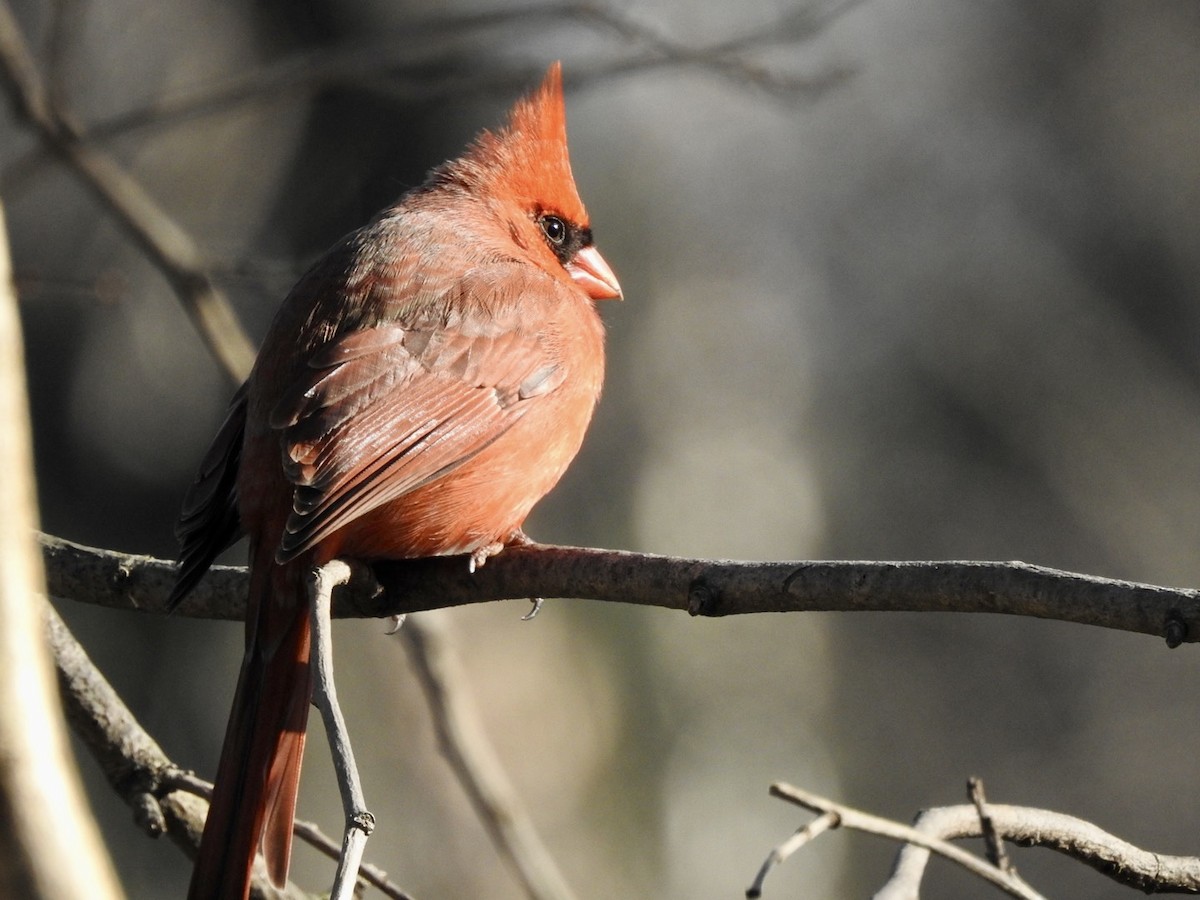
{"x": 254, "y": 801}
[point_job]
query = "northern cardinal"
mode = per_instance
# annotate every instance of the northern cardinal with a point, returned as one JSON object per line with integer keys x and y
{"x": 421, "y": 388}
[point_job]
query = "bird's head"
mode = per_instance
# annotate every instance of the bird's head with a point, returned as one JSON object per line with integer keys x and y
{"x": 522, "y": 172}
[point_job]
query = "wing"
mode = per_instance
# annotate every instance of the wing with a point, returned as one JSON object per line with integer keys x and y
{"x": 381, "y": 411}
{"x": 209, "y": 521}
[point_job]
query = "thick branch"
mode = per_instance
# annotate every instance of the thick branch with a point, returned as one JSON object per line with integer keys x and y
{"x": 699, "y": 586}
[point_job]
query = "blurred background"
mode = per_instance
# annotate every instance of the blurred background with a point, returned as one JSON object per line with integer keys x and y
{"x": 904, "y": 280}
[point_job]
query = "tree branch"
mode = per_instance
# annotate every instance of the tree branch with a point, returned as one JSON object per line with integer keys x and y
{"x": 700, "y": 586}
{"x": 814, "y": 829}
{"x": 993, "y": 841}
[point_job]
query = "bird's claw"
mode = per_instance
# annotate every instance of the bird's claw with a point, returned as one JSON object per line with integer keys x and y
{"x": 394, "y": 623}
{"x": 482, "y": 555}
{"x": 537, "y": 608}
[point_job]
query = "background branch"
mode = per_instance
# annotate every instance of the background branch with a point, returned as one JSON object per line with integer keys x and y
{"x": 165, "y": 244}
{"x": 465, "y": 745}
{"x": 49, "y": 845}
{"x": 405, "y": 64}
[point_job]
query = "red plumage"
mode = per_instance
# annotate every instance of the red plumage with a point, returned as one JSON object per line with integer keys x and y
{"x": 420, "y": 389}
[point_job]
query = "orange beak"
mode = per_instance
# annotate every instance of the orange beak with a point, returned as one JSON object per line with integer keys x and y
{"x": 589, "y": 270}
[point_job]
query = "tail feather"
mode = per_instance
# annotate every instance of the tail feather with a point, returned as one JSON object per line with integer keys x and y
{"x": 254, "y": 799}
{"x": 283, "y": 786}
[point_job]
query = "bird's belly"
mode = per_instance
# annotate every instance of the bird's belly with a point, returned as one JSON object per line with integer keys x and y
{"x": 482, "y": 502}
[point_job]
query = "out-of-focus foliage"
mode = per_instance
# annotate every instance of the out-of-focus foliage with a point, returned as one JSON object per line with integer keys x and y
{"x": 948, "y": 309}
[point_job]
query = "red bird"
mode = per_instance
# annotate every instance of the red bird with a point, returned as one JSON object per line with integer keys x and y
{"x": 421, "y": 388}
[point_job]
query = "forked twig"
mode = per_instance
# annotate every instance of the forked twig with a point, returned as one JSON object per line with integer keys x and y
{"x": 855, "y": 819}
{"x": 1108, "y": 854}
{"x": 359, "y": 822}
{"x": 933, "y": 830}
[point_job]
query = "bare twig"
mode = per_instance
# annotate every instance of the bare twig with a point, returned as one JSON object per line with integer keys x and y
{"x": 997, "y": 855}
{"x": 308, "y": 832}
{"x": 815, "y": 828}
{"x": 168, "y": 246}
{"x": 62, "y": 35}
{"x": 848, "y": 817}
{"x": 367, "y": 873}
{"x": 131, "y": 760}
{"x": 1121, "y": 861}
{"x": 699, "y": 586}
{"x": 465, "y": 745}
{"x": 727, "y": 57}
{"x": 359, "y": 822}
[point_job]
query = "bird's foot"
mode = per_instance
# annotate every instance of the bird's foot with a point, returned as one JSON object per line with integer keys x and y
{"x": 482, "y": 555}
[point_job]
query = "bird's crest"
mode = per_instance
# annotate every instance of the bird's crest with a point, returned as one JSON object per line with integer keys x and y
{"x": 527, "y": 159}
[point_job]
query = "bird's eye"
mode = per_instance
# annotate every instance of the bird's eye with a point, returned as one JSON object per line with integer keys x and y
{"x": 555, "y": 229}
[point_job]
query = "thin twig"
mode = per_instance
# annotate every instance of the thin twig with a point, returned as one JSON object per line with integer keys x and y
{"x": 359, "y": 822}
{"x": 465, "y": 745}
{"x": 993, "y": 842}
{"x": 367, "y": 873}
{"x": 868, "y": 824}
{"x": 62, "y": 36}
{"x": 726, "y": 57}
{"x": 815, "y": 828}
{"x": 167, "y": 245}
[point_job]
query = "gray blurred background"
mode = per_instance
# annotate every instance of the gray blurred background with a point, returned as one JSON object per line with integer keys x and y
{"x": 936, "y": 299}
